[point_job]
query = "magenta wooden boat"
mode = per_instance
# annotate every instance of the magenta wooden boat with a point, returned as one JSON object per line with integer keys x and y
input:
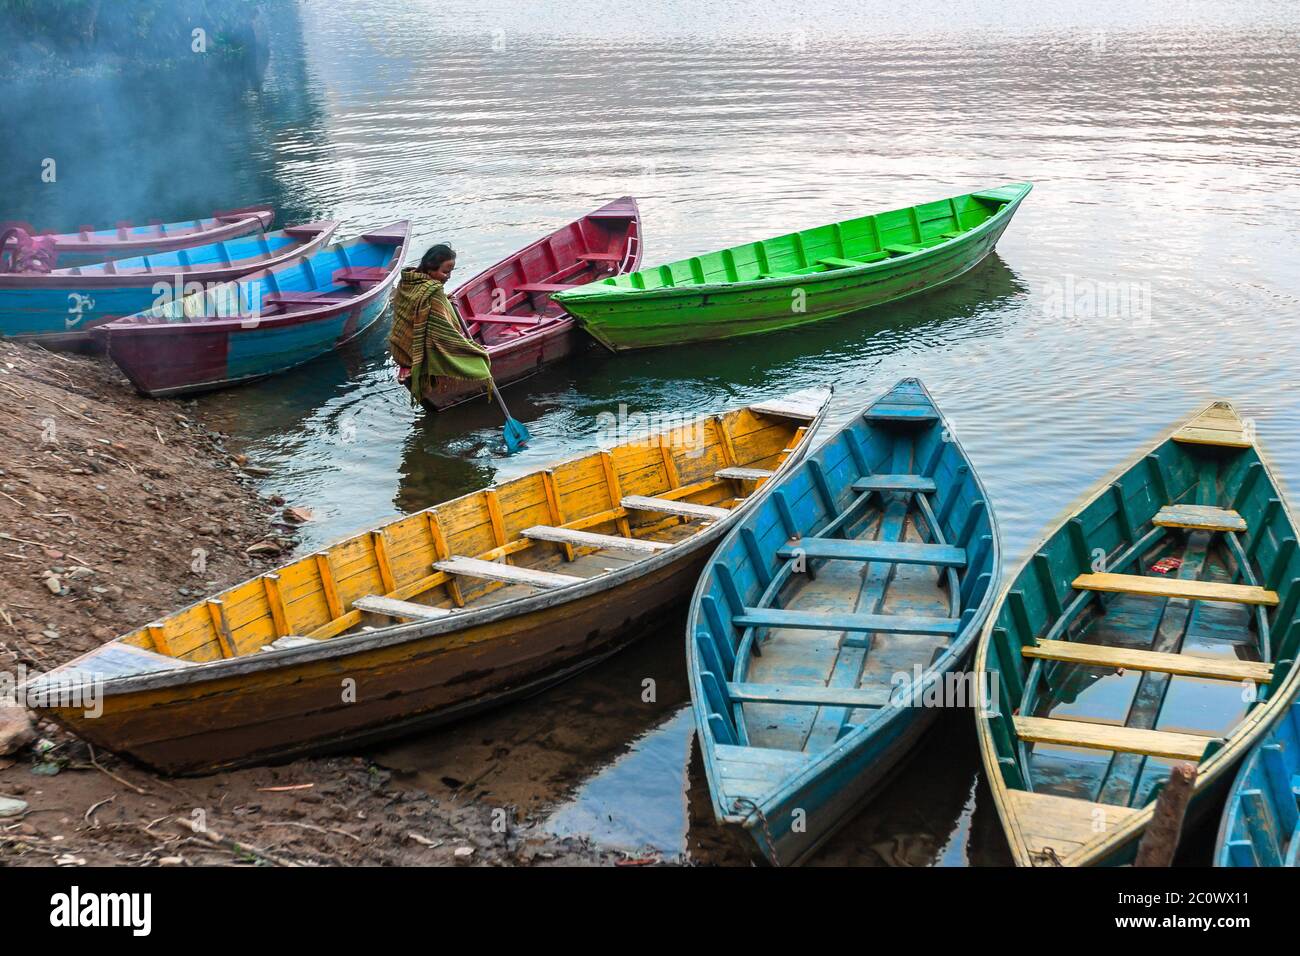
{"x": 89, "y": 245}
{"x": 508, "y": 309}
{"x": 62, "y": 307}
{"x": 263, "y": 323}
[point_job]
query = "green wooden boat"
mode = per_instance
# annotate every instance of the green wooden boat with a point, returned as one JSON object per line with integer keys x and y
{"x": 1157, "y": 624}
{"x": 798, "y": 278}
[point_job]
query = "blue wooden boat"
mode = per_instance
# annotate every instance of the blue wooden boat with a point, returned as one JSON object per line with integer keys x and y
{"x": 63, "y": 306}
{"x": 1156, "y": 624}
{"x": 834, "y": 620}
{"x": 266, "y": 322}
{"x": 1261, "y": 824}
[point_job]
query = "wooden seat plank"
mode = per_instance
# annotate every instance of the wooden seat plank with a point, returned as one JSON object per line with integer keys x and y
{"x": 1079, "y": 733}
{"x": 846, "y": 621}
{"x": 915, "y": 483}
{"x": 803, "y": 405}
{"x": 684, "y": 509}
{"x": 1217, "y": 425}
{"x": 744, "y": 474}
{"x": 809, "y": 695}
{"x": 498, "y": 318}
{"x": 1183, "y": 665}
{"x": 836, "y": 263}
{"x": 1175, "y": 588}
{"x": 509, "y": 573}
{"x": 545, "y": 286}
{"x": 1062, "y": 823}
{"x": 380, "y": 604}
{"x": 1199, "y": 518}
{"x": 897, "y": 552}
{"x": 890, "y": 412}
{"x": 588, "y": 539}
{"x": 601, "y": 256}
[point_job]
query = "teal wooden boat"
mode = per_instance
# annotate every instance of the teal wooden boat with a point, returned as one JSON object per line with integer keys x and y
{"x": 832, "y": 623}
{"x": 1156, "y": 624}
{"x": 1261, "y": 824}
{"x": 798, "y": 278}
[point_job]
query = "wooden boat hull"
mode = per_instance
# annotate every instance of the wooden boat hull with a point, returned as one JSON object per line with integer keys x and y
{"x": 855, "y": 649}
{"x": 296, "y": 709}
{"x": 165, "y": 357}
{"x": 611, "y": 233}
{"x": 286, "y": 663}
{"x": 1260, "y": 825}
{"x": 1123, "y": 643}
{"x": 725, "y": 295}
{"x": 91, "y": 246}
{"x": 62, "y": 308}
{"x": 512, "y": 362}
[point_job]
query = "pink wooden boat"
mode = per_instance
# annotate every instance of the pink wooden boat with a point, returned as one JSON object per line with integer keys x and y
{"x": 89, "y": 245}
{"x": 508, "y": 309}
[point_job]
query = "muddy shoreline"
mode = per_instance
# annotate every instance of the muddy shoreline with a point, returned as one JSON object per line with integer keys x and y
{"x": 116, "y": 509}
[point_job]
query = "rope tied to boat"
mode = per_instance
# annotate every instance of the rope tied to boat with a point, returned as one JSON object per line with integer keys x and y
{"x": 738, "y": 804}
{"x": 20, "y": 251}
{"x": 1047, "y": 855}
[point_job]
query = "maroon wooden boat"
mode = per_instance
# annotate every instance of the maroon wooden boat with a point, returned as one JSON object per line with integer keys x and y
{"x": 89, "y": 244}
{"x": 508, "y": 308}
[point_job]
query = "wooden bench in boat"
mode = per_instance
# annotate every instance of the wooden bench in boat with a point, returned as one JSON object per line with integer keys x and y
{"x": 358, "y": 275}
{"x": 324, "y": 297}
{"x": 1100, "y": 655}
{"x": 902, "y": 249}
{"x": 897, "y": 552}
{"x": 588, "y": 539}
{"x": 508, "y": 573}
{"x": 896, "y": 483}
{"x": 600, "y": 256}
{"x": 845, "y": 621}
{"x": 1080, "y": 733}
{"x": 119, "y": 659}
{"x": 1199, "y": 518}
{"x": 837, "y": 263}
{"x": 1175, "y": 588}
{"x": 500, "y": 318}
{"x": 744, "y": 474}
{"x": 545, "y": 286}
{"x": 1217, "y": 425}
{"x": 792, "y": 406}
{"x": 881, "y": 412}
{"x": 391, "y": 607}
{"x": 809, "y": 695}
{"x": 683, "y": 509}
{"x": 1063, "y": 824}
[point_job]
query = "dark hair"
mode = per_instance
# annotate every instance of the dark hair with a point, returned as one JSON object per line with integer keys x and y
{"x": 436, "y": 256}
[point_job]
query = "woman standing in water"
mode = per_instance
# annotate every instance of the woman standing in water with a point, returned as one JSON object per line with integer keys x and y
{"x": 428, "y": 340}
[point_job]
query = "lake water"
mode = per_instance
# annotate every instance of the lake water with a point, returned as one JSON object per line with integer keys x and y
{"x": 1152, "y": 269}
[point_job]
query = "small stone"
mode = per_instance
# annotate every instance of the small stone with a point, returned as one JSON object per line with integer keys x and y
{"x": 80, "y": 571}
{"x": 52, "y": 635}
{"x": 16, "y": 730}
{"x": 171, "y": 861}
{"x": 464, "y": 852}
{"x": 11, "y": 808}
{"x": 297, "y": 515}
{"x": 263, "y": 547}
{"x": 54, "y": 584}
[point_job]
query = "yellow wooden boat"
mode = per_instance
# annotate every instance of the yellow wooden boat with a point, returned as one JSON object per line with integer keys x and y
{"x": 465, "y": 605}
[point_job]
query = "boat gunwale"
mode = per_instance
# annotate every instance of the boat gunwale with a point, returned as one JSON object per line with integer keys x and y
{"x": 960, "y": 646}
{"x": 1210, "y": 771}
{"x": 596, "y": 293}
{"x": 344, "y": 645}
{"x": 226, "y": 324}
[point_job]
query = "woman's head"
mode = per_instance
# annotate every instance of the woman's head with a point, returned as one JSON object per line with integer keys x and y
{"x": 438, "y": 262}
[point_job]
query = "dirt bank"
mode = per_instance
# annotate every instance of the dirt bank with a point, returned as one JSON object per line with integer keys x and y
{"x": 113, "y": 510}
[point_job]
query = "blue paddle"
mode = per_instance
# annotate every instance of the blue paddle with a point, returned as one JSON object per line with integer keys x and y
{"x": 516, "y": 434}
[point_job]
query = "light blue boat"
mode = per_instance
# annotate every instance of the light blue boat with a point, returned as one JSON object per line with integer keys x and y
{"x": 64, "y": 306}
{"x": 1261, "y": 823}
{"x": 832, "y": 624}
